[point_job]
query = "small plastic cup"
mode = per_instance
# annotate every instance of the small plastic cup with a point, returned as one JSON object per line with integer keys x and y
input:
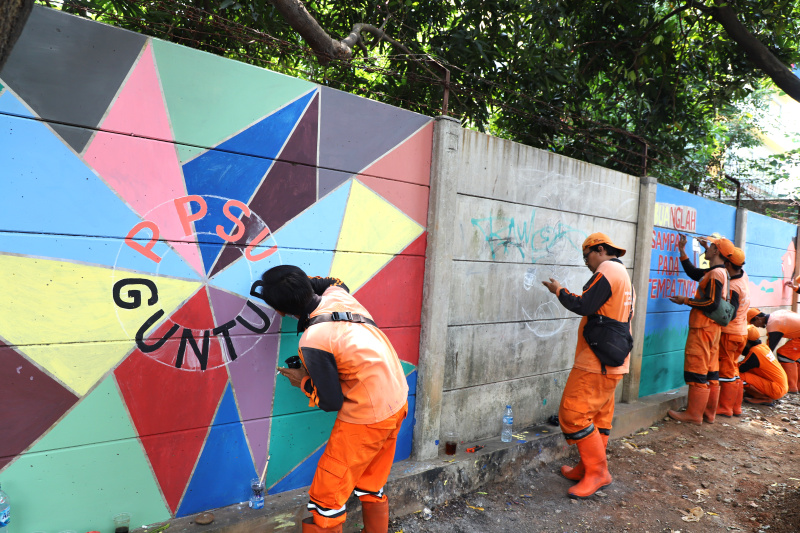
{"x": 122, "y": 522}
{"x": 256, "y": 493}
{"x": 450, "y": 443}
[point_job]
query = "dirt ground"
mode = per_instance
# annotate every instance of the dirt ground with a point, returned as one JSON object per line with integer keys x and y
{"x": 742, "y": 472}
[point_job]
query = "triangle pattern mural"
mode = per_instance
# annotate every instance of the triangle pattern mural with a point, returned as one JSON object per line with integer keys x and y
{"x": 348, "y": 143}
{"x": 87, "y": 77}
{"x": 172, "y": 421}
{"x": 96, "y": 440}
{"x": 30, "y": 394}
{"x": 225, "y": 468}
{"x": 234, "y": 169}
{"x": 133, "y": 156}
{"x": 316, "y": 229}
{"x": 211, "y": 100}
{"x": 372, "y": 232}
{"x": 289, "y": 187}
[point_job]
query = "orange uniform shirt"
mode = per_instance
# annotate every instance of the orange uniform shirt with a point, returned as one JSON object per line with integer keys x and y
{"x": 761, "y": 362}
{"x": 740, "y": 289}
{"x": 706, "y": 292}
{"x": 352, "y": 365}
{"x": 785, "y": 322}
{"x": 618, "y": 305}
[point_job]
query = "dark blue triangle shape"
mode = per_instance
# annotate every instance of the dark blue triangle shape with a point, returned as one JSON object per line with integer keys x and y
{"x": 223, "y": 472}
{"x": 234, "y": 169}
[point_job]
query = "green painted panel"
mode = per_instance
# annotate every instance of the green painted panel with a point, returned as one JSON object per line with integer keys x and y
{"x": 210, "y": 98}
{"x": 295, "y": 437}
{"x": 407, "y": 368}
{"x": 661, "y": 373}
{"x": 65, "y": 483}
{"x": 665, "y": 340}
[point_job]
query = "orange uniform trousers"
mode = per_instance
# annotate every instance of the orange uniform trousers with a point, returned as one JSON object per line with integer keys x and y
{"x": 701, "y": 359}
{"x": 730, "y": 348}
{"x": 770, "y": 389}
{"x": 358, "y": 457}
{"x": 588, "y": 398}
{"x": 790, "y": 350}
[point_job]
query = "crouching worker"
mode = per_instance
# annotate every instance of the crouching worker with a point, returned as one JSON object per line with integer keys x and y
{"x": 764, "y": 379}
{"x": 587, "y": 403}
{"x": 349, "y": 366}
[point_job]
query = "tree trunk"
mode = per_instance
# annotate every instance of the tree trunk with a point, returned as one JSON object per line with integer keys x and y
{"x": 13, "y": 15}
{"x": 324, "y": 46}
{"x": 758, "y": 54}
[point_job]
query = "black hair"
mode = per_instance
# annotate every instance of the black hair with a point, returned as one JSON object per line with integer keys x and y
{"x": 610, "y": 250}
{"x": 287, "y": 289}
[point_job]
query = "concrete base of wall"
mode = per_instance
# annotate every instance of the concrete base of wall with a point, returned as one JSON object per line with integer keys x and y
{"x": 414, "y": 485}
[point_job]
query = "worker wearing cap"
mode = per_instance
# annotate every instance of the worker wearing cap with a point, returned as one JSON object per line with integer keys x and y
{"x": 587, "y": 403}
{"x": 348, "y": 366}
{"x": 781, "y": 324}
{"x": 701, "y": 356}
{"x": 734, "y": 335}
{"x": 764, "y": 378}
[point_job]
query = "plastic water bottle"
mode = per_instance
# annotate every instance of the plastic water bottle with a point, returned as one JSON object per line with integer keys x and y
{"x": 5, "y": 510}
{"x": 508, "y": 421}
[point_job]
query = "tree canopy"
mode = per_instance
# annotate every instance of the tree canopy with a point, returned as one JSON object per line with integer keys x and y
{"x": 598, "y": 81}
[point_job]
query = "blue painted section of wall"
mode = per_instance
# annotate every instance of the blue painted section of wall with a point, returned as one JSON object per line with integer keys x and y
{"x": 226, "y": 173}
{"x": 301, "y": 476}
{"x": 667, "y": 323}
{"x": 225, "y": 468}
{"x": 770, "y": 258}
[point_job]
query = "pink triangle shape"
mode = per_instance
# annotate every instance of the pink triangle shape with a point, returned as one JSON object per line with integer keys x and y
{"x": 138, "y": 161}
{"x": 409, "y": 161}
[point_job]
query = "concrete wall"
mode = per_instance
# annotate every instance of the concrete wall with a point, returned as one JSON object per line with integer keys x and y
{"x": 120, "y": 155}
{"x": 519, "y": 216}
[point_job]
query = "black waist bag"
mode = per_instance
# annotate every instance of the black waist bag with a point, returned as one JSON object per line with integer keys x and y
{"x": 609, "y": 339}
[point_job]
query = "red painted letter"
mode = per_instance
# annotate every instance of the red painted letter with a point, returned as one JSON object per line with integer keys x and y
{"x": 248, "y": 253}
{"x": 226, "y": 210}
{"x": 146, "y": 250}
{"x": 185, "y": 215}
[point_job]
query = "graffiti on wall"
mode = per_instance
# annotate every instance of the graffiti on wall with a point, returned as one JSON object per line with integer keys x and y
{"x": 142, "y": 203}
{"x": 525, "y": 240}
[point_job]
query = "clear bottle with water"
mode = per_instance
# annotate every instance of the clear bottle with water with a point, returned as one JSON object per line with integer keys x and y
{"x": 508, "y": 422}
{"x": 5, "y": 510}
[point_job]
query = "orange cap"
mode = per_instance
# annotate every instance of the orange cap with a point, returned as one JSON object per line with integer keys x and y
{"x": 752, "y": 333}
{"x": 737, "y": 257}
{"x": 752, "y": 313}
{"x": 601, "y": 238}
{"x": 726, "y": 248}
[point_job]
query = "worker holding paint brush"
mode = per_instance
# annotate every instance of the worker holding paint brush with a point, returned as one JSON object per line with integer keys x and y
{"x": 349, "y": 366}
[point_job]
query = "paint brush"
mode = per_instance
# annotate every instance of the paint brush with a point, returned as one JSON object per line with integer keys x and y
{"x": 264, "y": 473}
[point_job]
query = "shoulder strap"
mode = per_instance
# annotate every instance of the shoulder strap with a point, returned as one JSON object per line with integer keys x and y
{"x": 341, "y": 317}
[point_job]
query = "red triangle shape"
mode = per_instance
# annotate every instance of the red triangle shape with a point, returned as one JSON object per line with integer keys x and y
{"x": 171, "y": 407}
{"x": 394, "y": 299}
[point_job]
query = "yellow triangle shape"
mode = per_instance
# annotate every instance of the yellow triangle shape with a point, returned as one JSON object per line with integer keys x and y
{"x": 63, "y": 316}
{"x": 372, "y": 225}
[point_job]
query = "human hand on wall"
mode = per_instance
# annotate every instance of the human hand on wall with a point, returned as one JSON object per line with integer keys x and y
{"x": 552, "y": 286}
{"x": 680, "y": 300}
{"x": 295, "y": 375}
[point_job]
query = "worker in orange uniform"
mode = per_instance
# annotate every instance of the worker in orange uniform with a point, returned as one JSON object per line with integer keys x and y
{"x": 349, "y": 366}
{"x": 781, "y": 324}
{"x": 587, "y": 403}
{"x": 734, "y": 335}
{"x": 764, "y": 378}
{"x": 701, "y": 359}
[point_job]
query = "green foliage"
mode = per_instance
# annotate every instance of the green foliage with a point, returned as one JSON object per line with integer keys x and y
{"x": 590, "y": 80}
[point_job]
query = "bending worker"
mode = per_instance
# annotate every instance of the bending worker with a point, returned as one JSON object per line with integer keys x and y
{"x": 701, "y": 359}
{"x": 781, "y": 324}
{"x": 764, "y": 378}
{"x": 587, "y": 403}
{"x": 348, "y": 366}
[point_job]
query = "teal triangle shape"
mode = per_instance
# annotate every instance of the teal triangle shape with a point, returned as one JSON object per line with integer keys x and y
{"x": 223, "y": 472}
{"x": 49, "y": 192}
{"x": 308, "y": 241}
{"x": 90, "y": 460}
{"x": 295, "y": 437}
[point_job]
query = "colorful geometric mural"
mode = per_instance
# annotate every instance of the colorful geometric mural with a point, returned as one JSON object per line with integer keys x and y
{"x": 770, "y": 253}
{"x": 146, "y": 187}
{"x": 667, "y": 324}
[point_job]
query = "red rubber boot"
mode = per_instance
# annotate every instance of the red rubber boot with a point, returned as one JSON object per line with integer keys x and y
{"x": 596, "y": 476}
{"x": 698, "y": 399}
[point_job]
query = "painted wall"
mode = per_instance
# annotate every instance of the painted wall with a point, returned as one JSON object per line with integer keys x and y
{"x": 146, "y": 188}
{"x": 769, "y": 262}
{"x": 521, "y": 217}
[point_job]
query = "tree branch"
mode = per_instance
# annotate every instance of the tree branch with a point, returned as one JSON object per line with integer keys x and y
{"x": 758, "y": 54}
